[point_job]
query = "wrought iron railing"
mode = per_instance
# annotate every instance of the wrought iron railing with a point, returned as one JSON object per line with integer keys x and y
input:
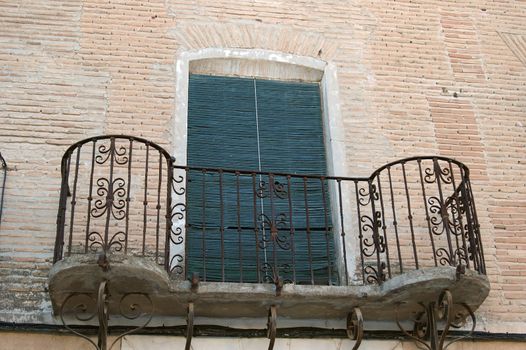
{"x": 3, "y": 176}
{"x": 115, "y": 197}
{"x": 249, "y": 226}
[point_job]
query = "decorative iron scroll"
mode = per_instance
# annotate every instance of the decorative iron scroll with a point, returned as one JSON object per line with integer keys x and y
{"x": 85, "y": 306}
{"x": 426, "y": 332}
{"x": 115, "y": 198}
{"x": 275, "y": 231}
{"x": 275, "y": 188}
{"x": 178, "y": 221}
{"x": 372, "y": 243}
{"x": 274, "y": 225}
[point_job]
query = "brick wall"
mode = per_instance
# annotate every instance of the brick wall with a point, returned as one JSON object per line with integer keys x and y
{"x": 425, "y": 77}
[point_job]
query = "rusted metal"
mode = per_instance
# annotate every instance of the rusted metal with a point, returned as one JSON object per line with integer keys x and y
{"x": 123, "y": 195}
{"x": 426, "y": 332}
{"x": 272, "y": 326}
{"x": 83, "y": 307}
{"x": 355, "y": 327}
{"x": 109, "y": 182}
{"x": 189, "y": 326}
{"x": 402, "y": 210}
{"x": 194, "y": 282}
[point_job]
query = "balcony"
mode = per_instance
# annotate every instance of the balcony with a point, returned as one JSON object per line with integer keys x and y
{"x": 132, "y": 226}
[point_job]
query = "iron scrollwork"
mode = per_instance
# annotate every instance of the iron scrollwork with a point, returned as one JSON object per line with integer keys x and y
{"x": 176, "y": 233}
{"x": 437, "y": 173}
{"x": 275, "y": 188}
{"x": 446, "y": 219}
{"x": 114, "y": 201}
{"x": 119, "y": 154}
{"x": 115, "y": 242}
{"x": 274, "y": 225}
{"x": 373, "y": 275}
{"x": 85, "y": 306}
{"x": 177, "y": 219}
{"x": 425, "y": 331}
{"x": 175, "y": 265}
{"x": 375, "y": 244}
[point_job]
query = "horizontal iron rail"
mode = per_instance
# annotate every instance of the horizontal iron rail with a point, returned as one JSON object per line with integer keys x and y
{"x": 328, "y": 177}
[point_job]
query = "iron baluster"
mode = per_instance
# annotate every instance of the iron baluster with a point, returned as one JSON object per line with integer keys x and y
{"x": 291, "y": 227}
{"x": 145, "y": 200}
{"x": 256, "y": 226}
{"x": 428, "y": 219}
{"x": 61, "y": 217}
{"x": 360, "y": 233}
{"x": 73, "y": 200}
{"x": 384, "y": 226}
{"x": 168, "y": 215}
{"x": 443, "y": 211}
{"x": 470, "y": 226}
{"x": 326, "y": 224}
{"x": 238, "y": 220}
{"x": 109, "y": 198}
{"x": 222, "y": 225}
{"x": 307, "y": 223}
{"x": 203, "y": 224}
{"x": 158, "y": 209}
{"x": 410, "y": 215}
{"x": 378, "y": 245}
{"x": 128, "y": 199}
{"x": 458, "y": 224}
{"x": 342, "y": 228}
{"x": 473, "y": 207}
{"x": 395, "y": 222}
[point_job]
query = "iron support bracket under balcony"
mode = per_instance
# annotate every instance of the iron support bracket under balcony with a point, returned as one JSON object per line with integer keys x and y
{"x": 426, "y": 331}
{"x": 86, "y": 307}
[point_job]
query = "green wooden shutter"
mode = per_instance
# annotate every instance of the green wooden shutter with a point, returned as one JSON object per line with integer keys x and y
{"x": 240, "y": 123}
{"x": 221, "y": 134}
{"x": 291, "y": 141}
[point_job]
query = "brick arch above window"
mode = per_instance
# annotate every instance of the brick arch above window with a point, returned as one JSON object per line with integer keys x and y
{"x": 284, "y": 39}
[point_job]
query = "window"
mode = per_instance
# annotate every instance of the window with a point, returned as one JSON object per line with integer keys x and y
{"x": 266, "y": 126}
